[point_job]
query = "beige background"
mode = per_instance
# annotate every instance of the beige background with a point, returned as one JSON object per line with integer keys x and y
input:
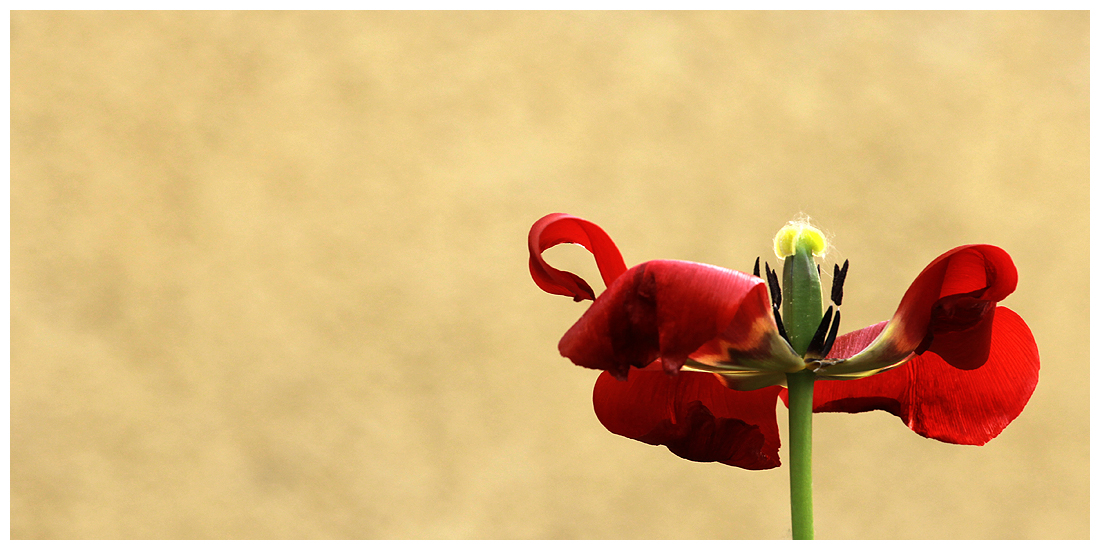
{"x": 269, "y": 274}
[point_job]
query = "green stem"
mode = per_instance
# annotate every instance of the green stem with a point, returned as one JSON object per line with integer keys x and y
{"x": 800, "y": 391}
{"x": 802, "y": 315}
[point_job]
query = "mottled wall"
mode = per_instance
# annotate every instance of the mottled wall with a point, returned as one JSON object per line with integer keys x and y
{"x": 269, "y": 274}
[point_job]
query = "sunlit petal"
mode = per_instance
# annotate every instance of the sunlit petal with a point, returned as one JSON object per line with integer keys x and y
{"x": 669, "y": 310}
{"x": 947, "y": 310}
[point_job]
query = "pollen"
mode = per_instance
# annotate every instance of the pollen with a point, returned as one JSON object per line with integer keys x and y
{"x": 799, "y": 234}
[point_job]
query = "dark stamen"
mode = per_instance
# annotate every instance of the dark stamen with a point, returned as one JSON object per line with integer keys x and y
{"x": 839, "y": 273}
{"x": 756, "y": 268}
{"x": 817, "y": 344}
{"x": 773, "y": 286}
{"x": 828, "y": 347}
{"x": 779, "y": 323}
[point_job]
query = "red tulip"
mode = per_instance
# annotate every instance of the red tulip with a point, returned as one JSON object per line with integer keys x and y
{"x": 709, "y": 359}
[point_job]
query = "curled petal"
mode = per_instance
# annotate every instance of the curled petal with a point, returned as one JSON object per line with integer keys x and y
{"x": 668, "y": 310}
{"x": 555, "y": 229}
{"x": 692, "y": 414}
{"x": 947, "y": 310}
{"x": 939, "y": 401}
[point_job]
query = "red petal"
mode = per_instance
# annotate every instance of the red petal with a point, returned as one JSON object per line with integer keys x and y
{"x": 849, "y": 344}
{"x": 667, "y": 309}
{"x": 939, "y": 401}
{"x": 947, "y": 310}
{"x": 694, "y": 415}
{"x": 555, "y": 229}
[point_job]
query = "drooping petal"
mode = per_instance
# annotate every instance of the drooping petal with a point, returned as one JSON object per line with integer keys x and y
{"x": 692, "y": 414}
{"x": 947, "y": 310}
{"x": 939, "y": 401}
{"x": 667, "y": 310}
{"x": 555, "y": 229}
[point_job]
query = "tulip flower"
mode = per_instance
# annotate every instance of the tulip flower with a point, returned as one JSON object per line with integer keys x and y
{"x": 695, "y": 356}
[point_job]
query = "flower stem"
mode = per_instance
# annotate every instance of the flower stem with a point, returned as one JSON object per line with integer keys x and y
{"x": 802, "y": 315}
{"x": 800, "y": 390}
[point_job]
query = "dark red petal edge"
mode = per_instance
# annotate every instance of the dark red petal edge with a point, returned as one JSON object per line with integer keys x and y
{"x": 555, "y": 229}
{"x": 692, "y": 414}
{"x": 936, "y": 400}
{"x": 667, "y": 310}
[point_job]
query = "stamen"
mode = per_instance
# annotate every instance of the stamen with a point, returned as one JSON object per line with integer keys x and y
{"x": 756, "y": 267}
{"x": 817, "y": 344}
{"x": 773, "y": 286}
{"x": 779, "y": 323}
{"x": 832, "y": 336}
{"x": 839, "y": 273}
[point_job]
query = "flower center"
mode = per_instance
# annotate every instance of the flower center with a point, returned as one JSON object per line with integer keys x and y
{"x": 809, "y": 332}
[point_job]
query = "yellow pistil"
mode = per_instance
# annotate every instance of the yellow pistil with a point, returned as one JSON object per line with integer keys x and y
{"x": 799, "y": 234}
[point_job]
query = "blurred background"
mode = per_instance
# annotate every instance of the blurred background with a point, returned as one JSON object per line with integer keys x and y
{"x": 269, "y": 270}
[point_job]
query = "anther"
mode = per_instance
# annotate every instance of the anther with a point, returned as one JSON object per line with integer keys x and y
{"x": 817, "y": 343}
{"x": 756, "y": 267}
{"x": 773, "y": 286}
{"x": 839, "y": 273}
{"x": 779, "y": 323}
